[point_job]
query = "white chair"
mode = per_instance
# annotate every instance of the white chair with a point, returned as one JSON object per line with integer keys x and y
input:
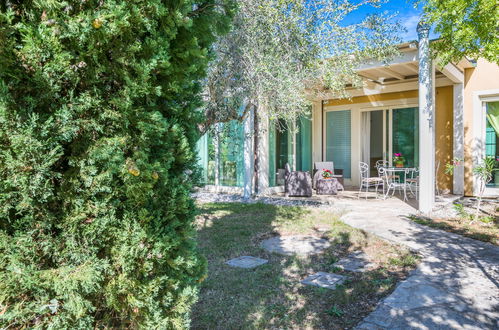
{"x": 384, "y": 164}
{"x": 392, "y": 183}
{"x": 368, "y": 182}
{"x": 413, "y": 183}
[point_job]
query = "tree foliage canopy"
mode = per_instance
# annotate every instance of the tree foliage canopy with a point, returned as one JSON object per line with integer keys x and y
{"x": 280, "y": 51}
{"x": 97, "y": 128}
{"x": 466, "y": 28}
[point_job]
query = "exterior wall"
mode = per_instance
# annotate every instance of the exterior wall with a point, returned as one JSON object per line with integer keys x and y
{"x": 481, "y": 80}
{"x": 374, "y": 98}
{"x": 444, "y": 135}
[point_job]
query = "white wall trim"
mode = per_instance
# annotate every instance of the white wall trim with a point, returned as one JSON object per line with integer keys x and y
{"x": 479, "y": 127}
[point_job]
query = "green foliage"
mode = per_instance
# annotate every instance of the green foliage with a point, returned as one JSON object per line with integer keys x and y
{"x": 335, "y": 311}
{"x": 461, "y": 211}
{"x": 97, "y": 128}
{"x": 451, "y": 166}
{"x": 466, "y": 28}
{"x": 281, "y": 53}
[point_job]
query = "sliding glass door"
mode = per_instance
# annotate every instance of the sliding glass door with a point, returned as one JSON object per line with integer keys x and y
{"x": 374, "y": 137}
{"x": 390, "y": 131}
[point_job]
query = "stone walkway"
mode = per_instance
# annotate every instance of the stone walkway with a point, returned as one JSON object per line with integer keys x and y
{"x": 455, "y": 286}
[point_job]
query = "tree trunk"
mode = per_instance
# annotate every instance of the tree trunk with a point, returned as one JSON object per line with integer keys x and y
{"x": 256, "y": 149}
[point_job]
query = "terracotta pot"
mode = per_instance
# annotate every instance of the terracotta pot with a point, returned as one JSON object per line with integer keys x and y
{"x": 399, "y": 164}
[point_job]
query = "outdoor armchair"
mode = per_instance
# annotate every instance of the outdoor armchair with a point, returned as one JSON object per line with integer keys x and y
{"x": 320, "y": 166}
{"x": 297, "y": 183}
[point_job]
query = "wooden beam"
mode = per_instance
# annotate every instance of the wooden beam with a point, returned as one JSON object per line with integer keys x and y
{"x": 412, "y": 67}
{"x": 367, "y": 75}
{"x": 392, "y": 73}
{"x": 453, "y": 73}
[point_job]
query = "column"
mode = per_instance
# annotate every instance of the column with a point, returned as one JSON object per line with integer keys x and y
{"x": 458, "y": 143}
{"x": 248, "y": 154}
{"x": 317, "y": 132}
{"x": 263, "y": 154}
{"x": 426, "y": 122}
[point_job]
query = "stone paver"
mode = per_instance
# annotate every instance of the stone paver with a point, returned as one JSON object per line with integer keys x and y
{"x": 356, "y": 261}
{"x": 246, "y": 262}
{"x": 324, "y": 280}
{"x": 297, "y": 244}
{"x": 456, "y": 285}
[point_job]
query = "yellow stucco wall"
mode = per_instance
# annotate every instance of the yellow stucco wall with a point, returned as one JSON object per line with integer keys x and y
{"x": 374, "y": 98}
{"x": 444, "y": 134}
{"x": 485, "y": 76}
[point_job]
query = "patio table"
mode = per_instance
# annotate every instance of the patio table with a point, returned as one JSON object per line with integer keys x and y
{"x": 328, "y": 186}
{"x": 402, "y": 170}
{"x": 401, "y": 185}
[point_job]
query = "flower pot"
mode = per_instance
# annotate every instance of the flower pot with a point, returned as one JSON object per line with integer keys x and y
{"x": 399, "y": 164}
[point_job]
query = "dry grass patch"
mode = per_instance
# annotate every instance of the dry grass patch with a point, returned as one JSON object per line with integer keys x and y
{"x": 271, "y": 296}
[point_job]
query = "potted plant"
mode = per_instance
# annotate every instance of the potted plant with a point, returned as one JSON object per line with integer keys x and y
{"x": 327, "y": 174}
{"x": 398, "y": 160}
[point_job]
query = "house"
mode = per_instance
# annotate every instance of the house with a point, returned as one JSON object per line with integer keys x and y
{"x": 430, "y": 114}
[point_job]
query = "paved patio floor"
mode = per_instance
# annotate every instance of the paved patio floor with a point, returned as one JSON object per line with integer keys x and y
{"x": 456, "y": 284}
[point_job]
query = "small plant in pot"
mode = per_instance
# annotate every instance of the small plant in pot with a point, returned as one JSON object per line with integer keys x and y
{"x": 327, "y": 174}
{"x": 398, "y": 160}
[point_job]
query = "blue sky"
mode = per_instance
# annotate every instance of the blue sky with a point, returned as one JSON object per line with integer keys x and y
{"x": 407, "y": 15}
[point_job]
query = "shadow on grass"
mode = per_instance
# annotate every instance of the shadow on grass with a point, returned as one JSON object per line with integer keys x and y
{"x": 271, "y": 296}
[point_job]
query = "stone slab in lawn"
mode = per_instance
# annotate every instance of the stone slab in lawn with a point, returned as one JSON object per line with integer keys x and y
{"x": 298, "y": 244}
{"x": 357, "y": 262}
{"x": 324, "y": 280}
{"x": 246, "y": 262}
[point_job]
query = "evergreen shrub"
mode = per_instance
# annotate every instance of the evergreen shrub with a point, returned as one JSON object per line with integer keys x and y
{"x": 98, "y": 120}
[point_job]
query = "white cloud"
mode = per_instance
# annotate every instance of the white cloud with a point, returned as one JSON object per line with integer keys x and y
{"x": 410, "y": 23}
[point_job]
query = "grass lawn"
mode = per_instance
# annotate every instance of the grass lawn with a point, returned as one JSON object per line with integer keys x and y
{"x": 271, "y": 296}
{"x": 486, "y": 232}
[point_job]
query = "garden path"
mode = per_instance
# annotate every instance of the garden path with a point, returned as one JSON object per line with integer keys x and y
{"x": 456, "y": 285}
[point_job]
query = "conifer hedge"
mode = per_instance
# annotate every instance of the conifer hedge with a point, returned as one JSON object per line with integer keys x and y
{"x": 97, "y": 128}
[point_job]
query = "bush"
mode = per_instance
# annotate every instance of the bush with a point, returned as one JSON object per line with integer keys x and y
{"x": 97, "y": 128}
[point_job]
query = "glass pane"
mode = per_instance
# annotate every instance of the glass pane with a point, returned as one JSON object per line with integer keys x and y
{"x": 304, "y": 144}
{"x": 492, "y": 137}
{"x": 231, "y": 154}
{"x": 211, "y": 160}
{"x": 405, "y": 135}
{"x": 376, "y": 140}
{"x": 272, "y": 154}
{"x": 338, "y": 140}
{"x": 202, "y": 153}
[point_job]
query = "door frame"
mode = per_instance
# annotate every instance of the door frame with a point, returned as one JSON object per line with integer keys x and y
{"x": 480, "y": 100}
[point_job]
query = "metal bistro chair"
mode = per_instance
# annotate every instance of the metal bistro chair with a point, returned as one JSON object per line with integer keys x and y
{"x": 392, "y": 184}
{"x": 384, "y": 164}
{"x": 413, "y": 183}
{"x": 366, "y": 181}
